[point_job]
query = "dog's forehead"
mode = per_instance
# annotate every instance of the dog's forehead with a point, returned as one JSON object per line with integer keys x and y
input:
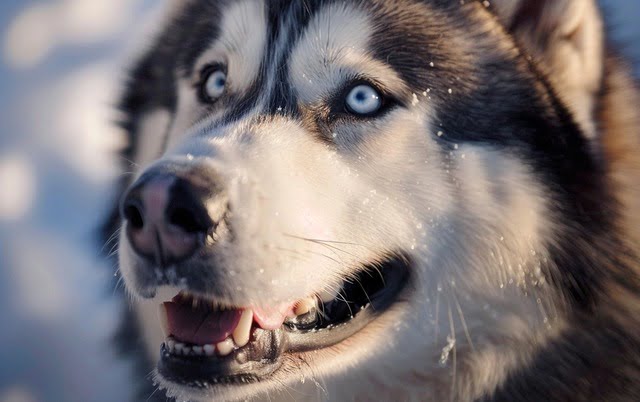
{"x": 392, "y": 31}
{"x": 282, "y": 56}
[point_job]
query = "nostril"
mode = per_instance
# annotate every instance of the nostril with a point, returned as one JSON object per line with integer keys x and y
{"x": 186, "y": 220}
{"x": 133, "y": 214}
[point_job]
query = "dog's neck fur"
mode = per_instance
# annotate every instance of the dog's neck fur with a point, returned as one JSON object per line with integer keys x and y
{"x": 604, "y": 337}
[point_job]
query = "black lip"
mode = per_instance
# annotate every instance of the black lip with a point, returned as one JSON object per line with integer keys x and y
{"x": 365, "y": 301}
{"x": 259, "y": 359}
{"x": 359, "y": 303}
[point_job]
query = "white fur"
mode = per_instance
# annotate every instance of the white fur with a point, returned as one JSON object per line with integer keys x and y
{"x": 333, "y": 49}
{"x": 151, "y": 133}
{"x": 241, "y": 43}
{"x": 240, "y": 47}
{"x": 473, "y": 221}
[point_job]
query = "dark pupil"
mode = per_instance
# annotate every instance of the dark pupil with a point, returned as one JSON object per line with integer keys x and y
{"x": 221, "y": 81}
{"x": 361, "y": 96}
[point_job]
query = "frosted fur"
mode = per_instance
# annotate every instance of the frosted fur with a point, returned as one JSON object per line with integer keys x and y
{"x": 478, "y": 219}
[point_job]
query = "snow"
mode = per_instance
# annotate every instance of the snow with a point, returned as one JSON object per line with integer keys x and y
{"x": 61, "y": 62}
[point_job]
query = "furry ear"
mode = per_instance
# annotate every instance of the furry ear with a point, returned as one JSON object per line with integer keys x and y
{"x": 565, "y": 37}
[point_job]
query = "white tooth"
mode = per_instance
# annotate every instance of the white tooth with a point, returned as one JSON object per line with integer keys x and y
{"x": 179, "y": 347}
{"x": 195, "y": 302}
{"x": 327, "y": 295}
{"x": 304, "y": 306}
{"x": 242, "y": 332}
{"x": 164, "y": 321}
{"x": 225, "y": 347}
{"x": 171, "y": 345}
{"x": 209, "y": 350}
{"x": 186, "y": 350}
{"x": 197, "y": 350}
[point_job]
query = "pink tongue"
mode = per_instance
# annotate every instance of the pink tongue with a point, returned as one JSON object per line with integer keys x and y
{"x": 272, "y": 317}
{"x": 200, "y": 326}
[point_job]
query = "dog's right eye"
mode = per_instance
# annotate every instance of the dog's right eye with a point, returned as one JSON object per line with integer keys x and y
{"x": 213, "y": 83}
{"x": 363, "y": 100}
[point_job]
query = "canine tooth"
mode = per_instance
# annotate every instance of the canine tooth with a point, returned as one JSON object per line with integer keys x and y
{"x": 326, "y": 295}
{"x": 197, "y": 350}
{"x": 171, "y": 345}
{"x": 164, "y": 322}
{"x": 304, "y": 306}
{"x": 209, "y": 350}
{"x": 195, "y": 302}
{"x": 225, "y": 347}
{"x": 242, "y": 332}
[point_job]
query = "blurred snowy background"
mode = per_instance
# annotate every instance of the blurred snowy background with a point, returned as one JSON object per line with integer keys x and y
{"x": 60, "y": 65}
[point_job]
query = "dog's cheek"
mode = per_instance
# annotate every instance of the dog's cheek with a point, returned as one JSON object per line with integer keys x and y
{"x": 402, "y": 169}
{"x": 505, "y": 215}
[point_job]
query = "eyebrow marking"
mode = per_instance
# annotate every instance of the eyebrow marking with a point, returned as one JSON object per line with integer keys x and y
{"x": 241, "y": 45}
{"x": 334, "y": 48}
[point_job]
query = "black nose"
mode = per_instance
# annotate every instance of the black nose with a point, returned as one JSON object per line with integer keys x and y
{"x": 168, "y": 216}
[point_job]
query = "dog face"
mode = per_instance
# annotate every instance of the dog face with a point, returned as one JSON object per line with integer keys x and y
{"x": 344, "y": 191}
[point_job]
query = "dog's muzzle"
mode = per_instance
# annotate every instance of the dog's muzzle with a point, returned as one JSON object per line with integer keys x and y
{"x": 174, "y": 213}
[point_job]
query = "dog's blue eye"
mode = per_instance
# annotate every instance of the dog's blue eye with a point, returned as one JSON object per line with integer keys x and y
{"x": 363, "y": 99}
{"x": 214, "y": 85}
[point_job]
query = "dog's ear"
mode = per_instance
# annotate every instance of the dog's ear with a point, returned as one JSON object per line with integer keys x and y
{"x": 565, "y": 37}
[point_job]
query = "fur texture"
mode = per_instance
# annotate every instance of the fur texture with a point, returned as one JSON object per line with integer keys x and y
{"x": 504, "y": 163}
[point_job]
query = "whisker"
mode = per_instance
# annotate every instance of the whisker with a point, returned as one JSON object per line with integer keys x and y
{"x": 296, "y": 253}
{"x": 131, "y": 163}
{"x": 153, "y": 393}
{"x": 341, "y": 297}
{"x": 455, "y": 347}
{"x": 365, "y": 293}
{"x": 111, "y": 238}
{"x": 323, "y": 241}
{"x": 463, "y": 321}
{"x": 309, "y": 252}
{"x": 332, "y": 249}
{"x": 437, "y": 330}
{"x": 119, "y": 282}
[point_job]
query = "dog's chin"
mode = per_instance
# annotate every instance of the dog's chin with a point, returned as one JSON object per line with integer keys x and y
{"x": 191, "y": 369}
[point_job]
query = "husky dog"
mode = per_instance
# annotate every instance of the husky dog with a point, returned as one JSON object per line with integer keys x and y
{"x": 384, "y": 200}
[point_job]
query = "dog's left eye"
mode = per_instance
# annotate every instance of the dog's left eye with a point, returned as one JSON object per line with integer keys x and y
{"x": 363, "y": 100}
{"x": 212, "y": 84}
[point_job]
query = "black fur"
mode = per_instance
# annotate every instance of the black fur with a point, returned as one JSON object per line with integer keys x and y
{"x": 599, "y": 359}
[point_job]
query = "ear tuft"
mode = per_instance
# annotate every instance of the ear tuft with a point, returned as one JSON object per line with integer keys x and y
{"x": 565, "y": 37}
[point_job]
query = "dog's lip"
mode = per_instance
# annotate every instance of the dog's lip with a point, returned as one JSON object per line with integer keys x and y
{"x": 262, "y": 354}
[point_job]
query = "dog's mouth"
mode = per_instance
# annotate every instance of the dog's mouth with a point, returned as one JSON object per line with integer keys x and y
{"x": 209, "y": 344}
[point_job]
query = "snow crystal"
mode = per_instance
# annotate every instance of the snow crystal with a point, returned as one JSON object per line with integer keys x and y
{"x": 414, "y": 100}
{"x": 446, "y": 350}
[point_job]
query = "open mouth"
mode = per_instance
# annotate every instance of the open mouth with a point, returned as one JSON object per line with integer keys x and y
{"x": 209, "y": 344}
